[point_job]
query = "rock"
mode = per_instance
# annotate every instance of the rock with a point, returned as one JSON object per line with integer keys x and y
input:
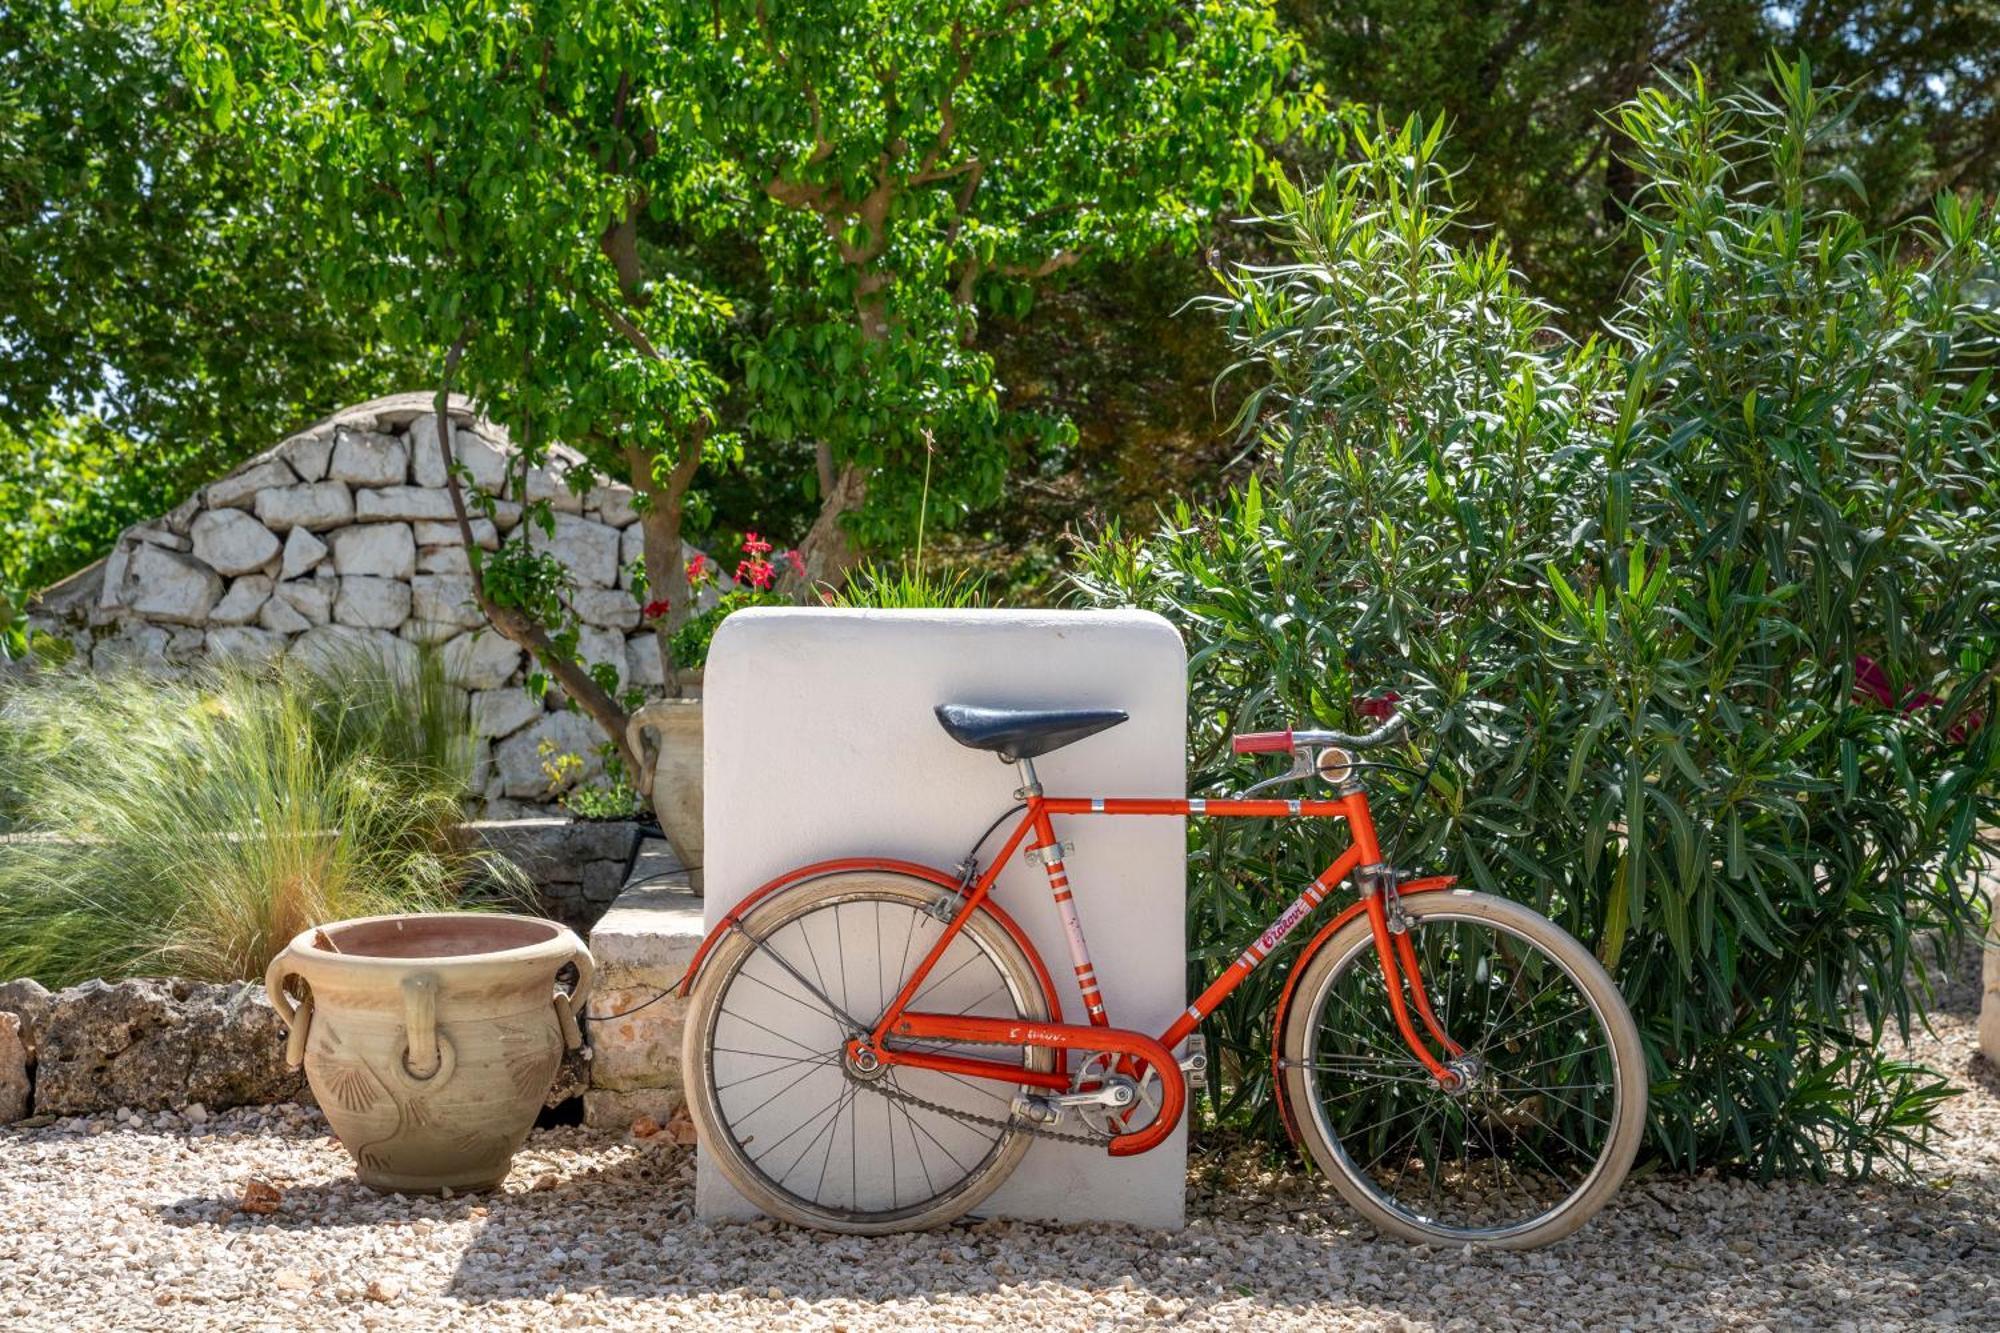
{"x": 610, "y": 608}
{"x": 16, "y": 1094}
{"x": 302, "y": 552}
{"x": 403, "y": 503}
{"x": 244, "y": 643}
{"x": 443, "y": 560}
{"x": 182, "y": 515}
{"x": 517, "y": 761}
{"x": 344, "y": 648}
{"x": 503, "y": 712}
{"x": 613, "y": 503}
{"x": 29, "y": 1001}
{"x": 447, "y": 534}
{"x": 240, "y": 490}
{"x": 229, "y": 541}
{"x": 308, "y": 455}
{"x": 316, "y": 506}
{"x": 371, "y": 603}
{"x": 445, "y": 600}
{"x": 551, "y": 483}
{"x": 291, "y": 1279}
{"x": 311, "y": 598}
{"x": 480, "y": 660}
{"x": 156, "y": 1045}
{"x": 606, "y": 646}
{"x": 475, "y": 454}
{"x": 166, "y": 585}
{"x": 366, "y": 458}
{"x": 588, "y": 549}
{"x": 631, "y": 553}
{"x": 245, "y": 598}
{"x": 157, "y": 536}
{"x": 278, "y": 617}
{"x": 382, "y": 550}
{"x": 642, "y": 661}
{"x": 385, "y": 1289}
{"x": 134, "y": 645}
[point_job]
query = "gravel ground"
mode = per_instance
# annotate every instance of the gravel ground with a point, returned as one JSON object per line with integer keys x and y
{"x": 134, "y": 1224}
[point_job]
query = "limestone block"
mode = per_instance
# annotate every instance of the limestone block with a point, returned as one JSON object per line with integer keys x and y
{"x": 607, "y": 1108}
{"x": 517, "y": 761}
{"x": 244, "y": 643}
{"x": 157, "y": 536}
{"x": 310, "y": 598}
{"x": 443, "y": 560}
{"x": 343, "y": 647}
{"x": 605, "y": 646}
{"x": 371, "y": 603}
{"x": 309, "y": 455}
{"x": 278, "y": 616}
{"x": 245, "y": 598}
{"x": 506, "y": 514}
{"x": 184, "y": 645}
{"x": 111, "y": 594}
{"x": 315, "y": 505}
{"x": 135, "y": 644}
{"x": 503, "y": 712}
{"x": 403, "y": 503}
{"x": 166, "y": 585}
{"x": 367, "y": 458}
{"x": 302, "y": 552}
{"x": 480, "y": 659}
{"x": 381, "y": 550}
{"x": 14, "y": 1088}
{"x": 431, "y": 533}
{"x": 475, "y": 454}
{"x": 613, "y": 503}
{"x": 588, "y": 549}
{"x": 608, "y": 608}
{"x": 445, "y": 600}
{"x": 631, "y": 552}
{"x": 240, "y": 490}
{"x": 642, "y": 661}
{"x": 229, "y": 541}
{"x": 551, "y": 484}
{"x": 642, "y": 946}
{"x": 181, "y": 516}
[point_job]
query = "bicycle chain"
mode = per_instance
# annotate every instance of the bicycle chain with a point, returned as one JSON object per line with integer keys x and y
{"x": 1014, "y": 1123}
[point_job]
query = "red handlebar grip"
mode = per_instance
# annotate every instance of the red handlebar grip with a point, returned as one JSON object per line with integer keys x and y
{"x": 1260, "y": 742}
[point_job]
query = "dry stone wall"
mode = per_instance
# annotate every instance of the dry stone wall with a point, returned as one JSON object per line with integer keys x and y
{"x": 342, "y": 538}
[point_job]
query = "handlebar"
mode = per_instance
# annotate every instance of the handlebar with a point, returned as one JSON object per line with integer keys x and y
{"x": 1263, "y": 742}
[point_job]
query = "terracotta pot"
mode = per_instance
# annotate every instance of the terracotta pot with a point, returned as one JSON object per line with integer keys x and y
{"x": 431, "y": 1040}
{"x": 673, "y": 779}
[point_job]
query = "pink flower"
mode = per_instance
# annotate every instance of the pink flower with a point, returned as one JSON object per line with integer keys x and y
{"x": 755, "y": 545}
{"x": 655, "y": 609}
{"x": 759, "y": 574}
{"x": 797, "y": 562}
{"x": 697, "y": 569}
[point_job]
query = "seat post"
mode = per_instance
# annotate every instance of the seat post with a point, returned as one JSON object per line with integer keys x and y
{"x": 1030, "y": 784}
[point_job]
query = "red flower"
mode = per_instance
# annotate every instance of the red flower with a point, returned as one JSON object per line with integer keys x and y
{"x": 697, "y": 569}
{"x": 1381, "y": 709}
{"x": 755, "y": 545}
{"x": 759, "y": 574}
{"x": 655, "y": 609}
{"x": 797, "y": 563}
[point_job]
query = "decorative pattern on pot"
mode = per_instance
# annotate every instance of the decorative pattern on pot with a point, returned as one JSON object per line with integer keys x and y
{"x": 431, "y": 1039}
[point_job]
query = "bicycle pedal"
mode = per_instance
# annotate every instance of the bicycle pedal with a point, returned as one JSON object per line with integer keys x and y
{"x": 1193, "y": 1056}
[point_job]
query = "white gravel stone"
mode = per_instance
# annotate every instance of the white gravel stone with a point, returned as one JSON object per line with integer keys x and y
{"x": 503, "y": 712}
{"x": 229, "y": 541}
{"x": 166, "y": 585}
{"x": 302, "y": 552}
{"x": 317, "y": 506}
{"x": 367, "y": 458}
{"x": 480, "y": 659}
{"x": 383, "y": 550}
{"x": 372, "y": 603}
{"x": 245, "y": 598}
{"x": 241, "y": 489}
{"x": 111, "y": 1227}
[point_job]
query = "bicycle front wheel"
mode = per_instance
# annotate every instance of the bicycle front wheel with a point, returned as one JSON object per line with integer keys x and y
{"x": 799, "y": 1130}
{"x": 1541, "y": 1127}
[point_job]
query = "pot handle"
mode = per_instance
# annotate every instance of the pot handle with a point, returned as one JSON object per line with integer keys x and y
{"x": 420, "y": 1032}
{"x": 635, "y": 741}
{"x": 296, "y": 1015}
{"x": 569, "y": 1005}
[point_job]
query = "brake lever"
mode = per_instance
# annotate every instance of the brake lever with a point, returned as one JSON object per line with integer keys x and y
{"x": 1302, "y": 767}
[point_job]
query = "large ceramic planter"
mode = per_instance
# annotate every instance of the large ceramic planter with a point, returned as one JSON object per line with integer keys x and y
{"x": 431, "y": 1040}
{"x": 673, "y": 779}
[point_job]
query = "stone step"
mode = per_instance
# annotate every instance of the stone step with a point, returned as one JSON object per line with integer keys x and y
{"x": 642, "y": 946}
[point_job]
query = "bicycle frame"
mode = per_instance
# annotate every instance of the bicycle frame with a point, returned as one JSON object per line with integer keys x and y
{"x": 1363, "y": 858}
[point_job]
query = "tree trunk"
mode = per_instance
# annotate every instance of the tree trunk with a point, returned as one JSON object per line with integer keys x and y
{"x": 827, "y": 552}
{"x": 666, "y": 563}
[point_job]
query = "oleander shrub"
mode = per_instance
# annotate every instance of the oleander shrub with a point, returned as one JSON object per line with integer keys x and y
{"x": 1700, "y": 616}
{"x": 192, "y": 827}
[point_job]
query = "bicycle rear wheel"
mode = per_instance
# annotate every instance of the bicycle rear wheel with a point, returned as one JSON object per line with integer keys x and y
{"x": 777, "y": 1105}
{"x": 1542, "y": 1129}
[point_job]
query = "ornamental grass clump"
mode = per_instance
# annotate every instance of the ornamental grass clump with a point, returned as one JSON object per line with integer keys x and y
{"x": 192, "y": 828}
{"x": 1700, "y": 616}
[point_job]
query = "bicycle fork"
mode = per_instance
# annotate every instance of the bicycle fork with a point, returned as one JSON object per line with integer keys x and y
{"x": 1376, "y": 884}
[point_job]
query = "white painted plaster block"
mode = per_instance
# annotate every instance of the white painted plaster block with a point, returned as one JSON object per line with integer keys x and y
{"x": 820, "y": 742}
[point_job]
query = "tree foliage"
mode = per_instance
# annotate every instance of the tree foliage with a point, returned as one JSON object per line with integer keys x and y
{"x": 1701, "y": 618}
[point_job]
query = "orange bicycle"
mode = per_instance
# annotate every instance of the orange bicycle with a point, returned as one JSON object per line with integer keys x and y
{"x": 872, "y": 1044}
